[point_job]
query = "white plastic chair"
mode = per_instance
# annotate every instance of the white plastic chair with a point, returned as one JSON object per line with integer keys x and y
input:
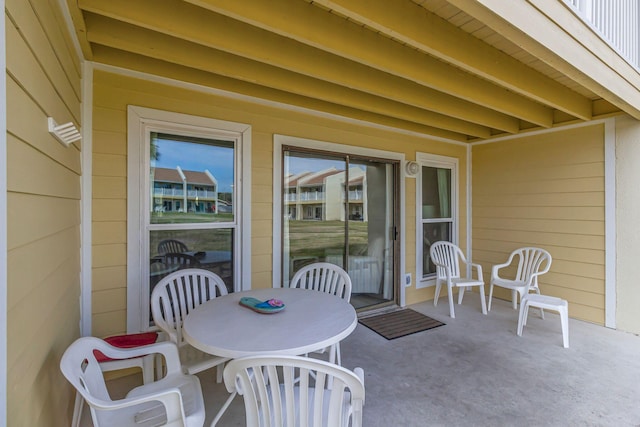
{"x": 145, "y": 363}
{"x": 532, "y": 262}
{"x": 180, "y": 260}
{"x": 550, "y": 303}
{"x": 174, "y": 400}
{"x": 296, "y": 391}
{"x": 447, "y": 258}
{"x": 328, "y": 278}
{"x": 171, "y": 246}
{"x": 173, "y": 298}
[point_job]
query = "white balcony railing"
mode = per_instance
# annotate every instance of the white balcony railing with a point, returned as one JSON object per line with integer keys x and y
{"x": 179, "y": 193}
{"x": 354, "y": 195}
{"x": 617, "y": 22}
{"x": 319, "y": 195}
{"x": 312, "y": 196}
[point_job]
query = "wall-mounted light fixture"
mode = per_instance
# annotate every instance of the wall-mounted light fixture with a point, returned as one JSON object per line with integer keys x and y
{"x": 411, "y": 169}
{"x": 66, "y": 133}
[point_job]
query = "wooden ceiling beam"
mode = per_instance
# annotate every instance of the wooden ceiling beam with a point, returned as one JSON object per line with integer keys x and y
{"x": 192, "y": 23}
{"x": 579, "y": 53}
{"x": 316, "y": 27}
{"x": 128, "y": 37}
{"x": 81, "y": 29}
{"x": 280, "y": 99}
{"x": 412, "y": 24}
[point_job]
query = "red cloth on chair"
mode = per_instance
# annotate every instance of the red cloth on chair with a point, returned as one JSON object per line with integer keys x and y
{"x": 127, "y": 341}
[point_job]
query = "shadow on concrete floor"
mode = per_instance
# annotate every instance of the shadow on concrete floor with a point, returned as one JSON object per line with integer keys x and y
{"x": 475, "y": 371}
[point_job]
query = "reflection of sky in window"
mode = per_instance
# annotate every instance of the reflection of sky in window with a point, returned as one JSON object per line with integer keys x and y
{"x": 294, "y": 165}
{"x": 198, "y": 157}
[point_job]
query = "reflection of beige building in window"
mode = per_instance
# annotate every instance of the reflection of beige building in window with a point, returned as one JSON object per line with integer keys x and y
{"x": 321, "y": 195}
{"x": 177, "y": 190}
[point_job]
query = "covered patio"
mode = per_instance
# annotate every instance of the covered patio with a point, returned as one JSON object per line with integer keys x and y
{"x": 475, "y": 371}
{"x": 494, "y": 125}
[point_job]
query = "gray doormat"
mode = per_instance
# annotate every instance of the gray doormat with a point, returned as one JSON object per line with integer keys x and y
{"x": 399, "y": 323}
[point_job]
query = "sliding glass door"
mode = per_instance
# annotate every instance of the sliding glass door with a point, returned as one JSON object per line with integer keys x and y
{"x": 341, "y": 209}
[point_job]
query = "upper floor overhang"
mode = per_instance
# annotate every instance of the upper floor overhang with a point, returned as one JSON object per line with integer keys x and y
{"x": 460, "y": 70}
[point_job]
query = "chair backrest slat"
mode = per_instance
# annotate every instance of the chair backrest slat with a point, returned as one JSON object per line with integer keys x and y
{"x": 323, "y": 277}
{"x": 297, "y": 391}
{"x": 446, "y": 254}
{"x": 179, "y": 260}
{"x": 171, "y": 245}
{"x": 179, "y": 293}
{"x": 532, "y": 262}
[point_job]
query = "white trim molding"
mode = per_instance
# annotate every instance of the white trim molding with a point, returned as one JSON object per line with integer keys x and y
{"x": 610, "y": 222}
{"x": 536, "y": 132}
{"x": 278, "y": 142}
{"x": 140, "y": 120}
{"x": 86, "y": 214}
{"x": 469, "y": 189}
{"x": 3, "y": 221}
{"x": 436, "y": 161}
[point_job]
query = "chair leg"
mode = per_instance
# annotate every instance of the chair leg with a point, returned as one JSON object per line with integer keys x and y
{"x": 77, "y": 410}
{"x": 482, "y": 301}
{"x": 452, "y": 312}
{"x": 147, "y": 368}
{"x": 219, "y": 370}
{"x": 437, "y": 295}
{"x": 223, "y": 409}
{"x": 338, "y": 356}
{"x": 461, "y": 294}
{"x": 159, "y": 362}
{"x": 564, "y": 321}
{"x": 514, "y": 299}
{"x": 490, "y": 296}
{"x": 522, "y": 316}
{"x": 541, "y": 310}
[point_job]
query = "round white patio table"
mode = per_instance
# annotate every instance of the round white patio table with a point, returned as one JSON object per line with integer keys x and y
{"x": 311, "y": 320}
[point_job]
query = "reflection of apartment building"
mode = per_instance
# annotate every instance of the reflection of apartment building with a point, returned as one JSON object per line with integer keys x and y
{"x": 177, "y": 190}
{"x": 322, "y": 195}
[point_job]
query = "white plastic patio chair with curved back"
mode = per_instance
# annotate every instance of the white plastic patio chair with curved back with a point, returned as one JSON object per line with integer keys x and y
{"x": 447, "y": 258}
{"x": 328, "y": 278}
{"x": 179, "y": 260}
{"x": 532, "y": 262}
{"x": 172, "y": 299}
{"x": 171, "y": 246}
{"x": 176, "y": 399}
{"x": 296, "y": 391}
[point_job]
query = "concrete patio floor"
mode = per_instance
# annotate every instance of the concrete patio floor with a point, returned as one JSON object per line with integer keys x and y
{"x": 475, "y": 371}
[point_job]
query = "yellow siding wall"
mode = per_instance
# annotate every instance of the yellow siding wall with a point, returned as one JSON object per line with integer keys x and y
{"x": 112, "y": 94}
{"x": 547, "y": 191}
{"x": 43, "y": 214}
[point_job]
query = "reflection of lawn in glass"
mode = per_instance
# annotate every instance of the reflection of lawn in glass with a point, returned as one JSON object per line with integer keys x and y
{"x": 189, "y": 217}
{"x": 196, "y": 240}
{"x": 314, "y": 238}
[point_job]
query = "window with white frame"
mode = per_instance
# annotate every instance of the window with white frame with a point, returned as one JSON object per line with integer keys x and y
{"x": 436, "y": 200}
{"x": 186, "y": 207}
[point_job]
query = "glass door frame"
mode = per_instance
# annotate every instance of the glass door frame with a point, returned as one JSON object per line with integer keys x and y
{"x": 281, "y": 141}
